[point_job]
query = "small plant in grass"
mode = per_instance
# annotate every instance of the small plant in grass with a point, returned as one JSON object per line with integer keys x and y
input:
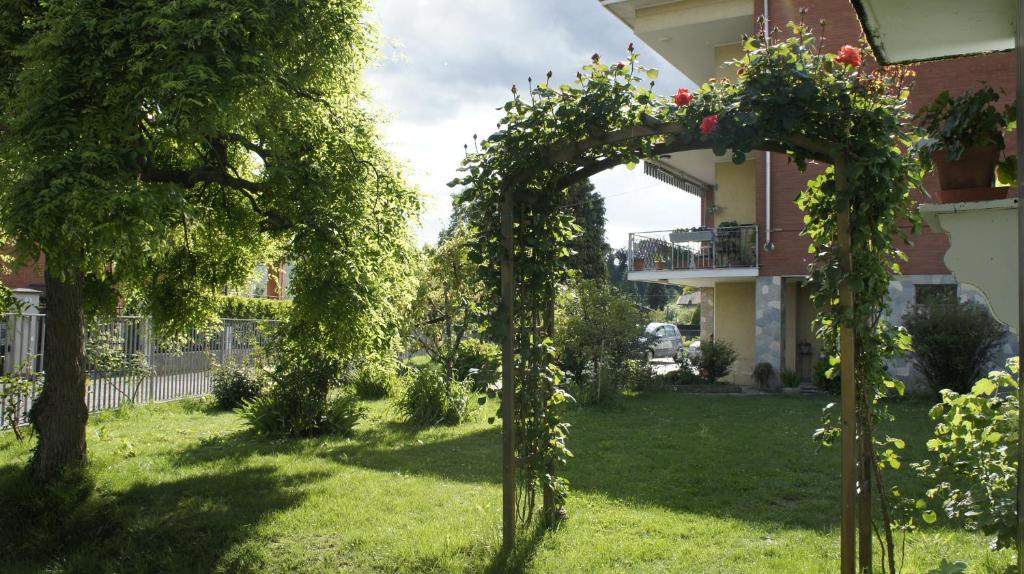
{"x": 234, "y": 385}
{"x": 375, "y": 379}
{"x": 432, "y": 399}
{"x": 762, "y": 374}
{"x": 953, "y": 341}
{"x": 716, "y": 359}
{"x": 973, "y": 462}
{"x": 15, "y": 391}
{"x": 789, "y": 378}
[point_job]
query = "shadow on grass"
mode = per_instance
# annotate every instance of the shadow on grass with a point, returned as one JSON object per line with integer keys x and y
{"x": 184, "y": 525}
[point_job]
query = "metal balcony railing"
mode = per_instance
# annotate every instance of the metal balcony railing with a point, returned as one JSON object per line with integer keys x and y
{"x": 697, "y": 248}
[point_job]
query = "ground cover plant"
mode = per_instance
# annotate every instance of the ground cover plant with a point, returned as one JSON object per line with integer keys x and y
{"x": 178, "y": 488}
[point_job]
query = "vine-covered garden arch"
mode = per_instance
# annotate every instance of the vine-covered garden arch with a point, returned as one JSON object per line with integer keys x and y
{"x": 789, "y": 97}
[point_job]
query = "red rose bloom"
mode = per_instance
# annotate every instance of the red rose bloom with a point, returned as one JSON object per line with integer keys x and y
{"x": 683, "y": 97}
{"x": 849, "y": 55}
{"x": 708, "y": 124}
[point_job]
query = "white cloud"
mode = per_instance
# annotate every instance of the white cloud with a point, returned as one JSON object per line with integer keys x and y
{"x": 448, "y": 64}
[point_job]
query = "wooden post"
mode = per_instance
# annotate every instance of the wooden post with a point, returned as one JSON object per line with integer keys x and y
{"x": 508, "y": 394}
{"x": 1019, "y": 45}
{"x": 848, "y": 398}
{"x": 864, "y": 491}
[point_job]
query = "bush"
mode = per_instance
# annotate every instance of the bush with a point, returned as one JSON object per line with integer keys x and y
{"x": 954, "y": 342}
{"x": 298, "y": 401}
{"x": 789, "y": 378}
{"x": 597, "y": 328}
{"x": 275, "y": 415}
{"x": 375, "y": 380}
{"x": 762, "y": 374}
{"x": 479, "y": 361}
{"x": 973, "y": 462}
{"x": 684, "y": 375}
{"x": 233, "y": 385}
{"x": 235, "y": 307}
{"x": 604, "y": 385}
{"x": 715, "y": 359}
{"x": 429, "y": 399}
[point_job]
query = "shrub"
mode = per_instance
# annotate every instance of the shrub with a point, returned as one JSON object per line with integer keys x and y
{"x": 375, "y": 380}
{"x": 762, "y": 374}
{"x": 597, "y": 329}
{"x": 275, "y": 415}
{"x": 479, "y": 361}
{"x": 789, "y": 378}
{"x": 684, "y": 375}
{"x": 235, "y": 307}
{"x": 298, "y": 401}
{"x": 233, "y": 385}
{"x": 715, "y": 359}
{"x": 429, "y": 399}
{"x": 974, "y": 456}
{"x": 953, "y": 342}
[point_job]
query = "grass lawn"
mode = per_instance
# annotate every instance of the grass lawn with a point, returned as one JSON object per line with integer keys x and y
{"x": 661, "y": 483}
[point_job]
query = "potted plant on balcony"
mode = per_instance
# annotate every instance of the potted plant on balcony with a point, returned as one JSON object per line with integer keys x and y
{"x": 965, "y": 139}
{"x": 639, "y": 263}
{"x": 659, "y": 262}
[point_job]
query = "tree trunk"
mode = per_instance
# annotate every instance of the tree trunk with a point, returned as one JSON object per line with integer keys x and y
{"x": 60, "y": 413}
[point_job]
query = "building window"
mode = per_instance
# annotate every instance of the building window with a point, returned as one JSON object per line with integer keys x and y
{"x": 926, "y": 294}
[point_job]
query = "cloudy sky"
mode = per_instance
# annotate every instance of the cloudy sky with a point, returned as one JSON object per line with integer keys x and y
{"x": 448, "y": 64}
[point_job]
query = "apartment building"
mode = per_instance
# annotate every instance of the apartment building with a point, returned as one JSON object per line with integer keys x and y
{"x": 749, "y": 258}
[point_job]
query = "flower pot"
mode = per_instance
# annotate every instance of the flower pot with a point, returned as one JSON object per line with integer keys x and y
{"x": 659, "y": 265}
{"x": 638, "y": 264}
{"x": 976, "y": 168}
{"x": 970, "y": 194}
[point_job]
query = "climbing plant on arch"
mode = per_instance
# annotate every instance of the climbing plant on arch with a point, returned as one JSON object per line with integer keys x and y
{"x": 791, "y": 98}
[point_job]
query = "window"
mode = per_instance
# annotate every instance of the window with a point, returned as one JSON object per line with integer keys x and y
{"x": 927, "y": 294}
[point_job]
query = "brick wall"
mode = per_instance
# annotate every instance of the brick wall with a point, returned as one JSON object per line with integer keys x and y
{"x": 26, "y": 276}
{"x": 956, "y": 75}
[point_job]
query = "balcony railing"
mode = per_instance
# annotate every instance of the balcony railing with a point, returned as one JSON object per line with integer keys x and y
{"x": 698, "y": 248}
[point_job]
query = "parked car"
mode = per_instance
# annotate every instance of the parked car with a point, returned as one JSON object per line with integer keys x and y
{"x": 662, "y": 340}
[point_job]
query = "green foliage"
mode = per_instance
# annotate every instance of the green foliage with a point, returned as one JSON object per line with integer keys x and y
{"x": 973, "y": 461}
{"x": 235, "y": 307}
{"x": 480, "y": 362}
{"x": 235, "y": 385}
{"x": 963, "y": 122}
{"x": 588, "y": 246}
{"x": 762, "y": 374}
{"x": 278, "y": 416}
{"x": 105, "y": 350}
{"x": 161, "y": 150}
{"x": 715, "y": 359}
{"x": 300, "y": 397}
{"x": 375, "y": 379}
{"x": 789, "y": 378}
{"x": 953, "y": 342}
{"x": 449, "y": 303}
{"x": 790, "y": 97}
{"x": 16, "y": 389}
{"x": 684, "y": 375}
{"x": 432, "y": 399}
{"x": 597, "y": 334}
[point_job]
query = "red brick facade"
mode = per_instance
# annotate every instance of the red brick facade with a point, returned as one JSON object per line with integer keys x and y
{"x": 956, "y": 75}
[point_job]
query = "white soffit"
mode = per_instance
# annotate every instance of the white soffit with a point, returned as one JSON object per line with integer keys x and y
{"x": 914, "y": 30}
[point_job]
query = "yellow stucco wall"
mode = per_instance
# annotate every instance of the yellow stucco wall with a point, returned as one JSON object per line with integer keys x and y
{"x": 734, "y": 322}
{"x": 735, "y": 196}
{"x": 724, "y": 54}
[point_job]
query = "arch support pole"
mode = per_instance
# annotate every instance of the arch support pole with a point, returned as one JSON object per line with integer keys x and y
{"x": 508, "y": 394}
{"x": 848, "y": 397}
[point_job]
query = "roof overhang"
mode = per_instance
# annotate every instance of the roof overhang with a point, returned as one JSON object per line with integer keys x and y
{"x": 918, "y": 30}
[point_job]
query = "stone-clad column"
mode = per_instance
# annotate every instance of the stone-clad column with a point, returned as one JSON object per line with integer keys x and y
{"x": 770, "y": 322}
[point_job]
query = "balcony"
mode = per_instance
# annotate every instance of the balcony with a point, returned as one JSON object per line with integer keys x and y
{"x": 694, "y": 256}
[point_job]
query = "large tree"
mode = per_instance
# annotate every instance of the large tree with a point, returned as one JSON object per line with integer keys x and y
{"x": 588, "y": 246}
{"x": 160, "y": 149}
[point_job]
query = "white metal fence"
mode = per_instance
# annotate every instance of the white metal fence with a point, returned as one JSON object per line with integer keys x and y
{"x": 128, "y": 361}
